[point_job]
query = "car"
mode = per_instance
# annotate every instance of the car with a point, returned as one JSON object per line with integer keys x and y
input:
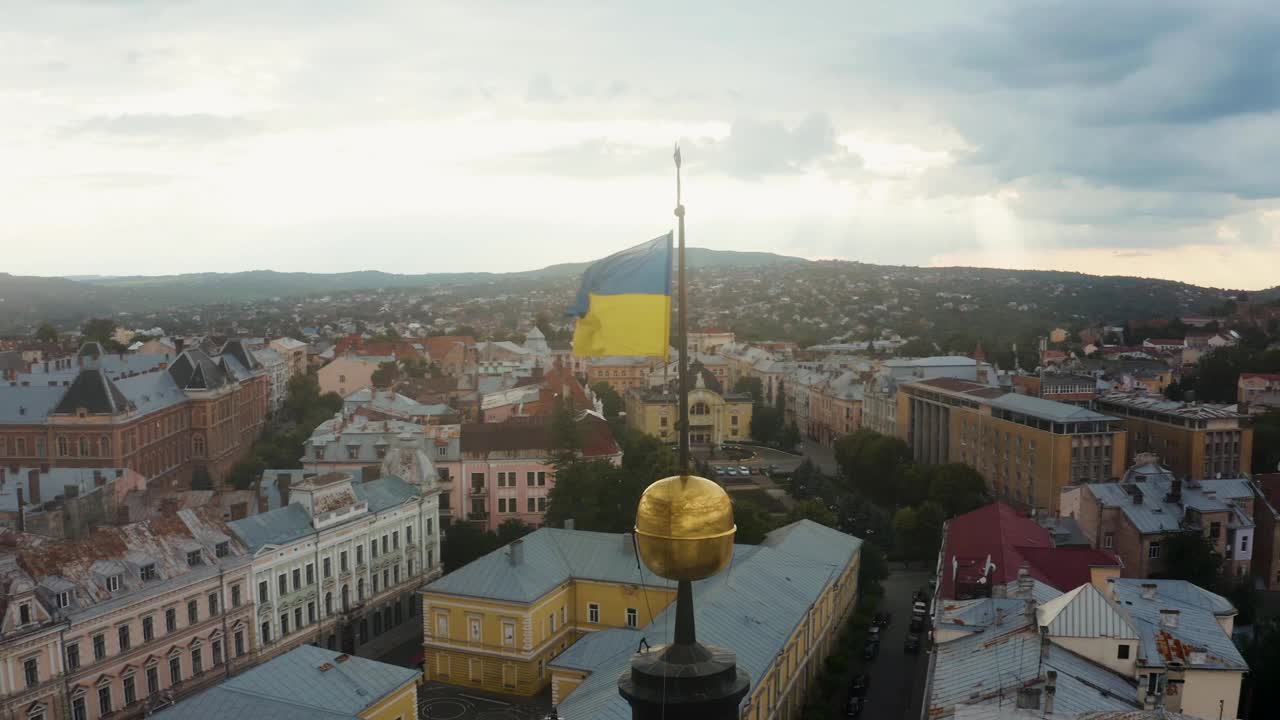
{"x": 882, "y": 619}
{"x": 853, "y": 707}
{"x": 917, "y": 624}
{"x": 717, "y": 470}
{"x": 912, "y": 643}
{"x": 744, "y": 470}
{"x": 871, "y": 649}
{"x": 858, "y": 685}
{"x": 919, "y": 608}
{"x": 873, "y": 633}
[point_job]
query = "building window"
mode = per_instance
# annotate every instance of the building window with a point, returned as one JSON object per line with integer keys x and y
{"x": 197, "y": 661}
{"x": 78, "y": 711}
{"x": 311, "y": 612}
{"x": 342, "y": 561}
{"x": 31, "y": 672}
{"x": 297, "y": 579}
{"x": 193, "y": 558}
{"x": 532, "y": 505}
{"x": 73, "y": 656}
{"x": 64, "y": 598}
{"x": 1122, "y": 651}
{"x": 282, "y": 583}
{"x": 266, "y": 632}
{"x": 122, "y": 634}
{"x": 222, "y": 549}
{"x": 104, "y": 699}
{"x": 542, "y": 478}
{"x": 239, "y": 642}
{"x": 1153, "y": 551}
{"x": 284, "y": 624}
{"x": 1109, "y": 540}
{"x": 235, "y": 595}
{"x": 148, "y": 629}
{"x": 170, "y": 620}
{"x": 175, "y": 670}
{"x": 217, "y": 652}
{"x": 1244, "y": 543}
{"x": 359, "y": 555}
{"x": 193, "y": 612}
{"x": 130, "y": 691}
{"x": 113, "y": 583}
{"x": 593, "y": 612}
{"x": 328, "y": 603}
{"x": 24, "y": 614}
{"x": 264, "y": 593}
{"x": 530, "y": 477}
{"x": 395, "y": 539}
{"x": 153, "y": 680}
{"x": 99, "y": 646}
{"x": 632, "y": 617}
{"x": 326, "y": 568}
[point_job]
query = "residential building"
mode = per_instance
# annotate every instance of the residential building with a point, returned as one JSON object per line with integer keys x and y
{"x": 985, "y": 550}
{"x": 454, "y": 355}
{"x": 1027, "y": 448}
{"x": 880, "y": 391}
{"x": 622, "y": 372}
{"x": 1059, "y": 335}
{"x": 173, "y": 419}
{"x": 505, "y": 469}
{"x": 66, "y": 502}
{"x": 716, "y": 365}
{"x": 276, "y": 367}
{"x": 768, "y": 364}
{"x": 1267, "y": 518}
{"x": 123, "y": 620}
{"x": 1116, "y": 645}
{"x": 567, "y": 609}
{"x": 350, "y": 372}
{"x": 294, "y": 353}
{"x": 1137, "y": 517}
{"x": 336, "y": 561}
{"x": 1192, "y": 439}
{"x": 715, "y": 417}
{"x": 1257, "y": 393}
{"x": 304, "y": 683}
{"x": 390, "y": 405}
{"x": 1128, "y": 375}
{"x": 1067, "y": 388}
{"x": 709, "y": 340}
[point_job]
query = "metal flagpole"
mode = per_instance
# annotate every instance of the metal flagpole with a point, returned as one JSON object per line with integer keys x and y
{"x": 682, "y": 322}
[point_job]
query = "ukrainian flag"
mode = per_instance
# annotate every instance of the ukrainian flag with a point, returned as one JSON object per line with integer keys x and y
{"x": 624, "y": 306}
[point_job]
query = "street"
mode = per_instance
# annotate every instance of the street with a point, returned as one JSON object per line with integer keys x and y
{"x": 896, "y": 678}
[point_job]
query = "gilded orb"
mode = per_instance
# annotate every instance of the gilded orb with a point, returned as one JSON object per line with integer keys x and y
{"x": 684, "y": 527}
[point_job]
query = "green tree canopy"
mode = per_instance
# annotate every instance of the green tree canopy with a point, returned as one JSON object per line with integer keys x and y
{"x": 766, "y": 424}
{"x": 1191, "y": 556}
{"x": 513, "y": 529}
{"x": 465, "y": 542}
{"x": 956, "y": 488}
{"x": 99, "y": 330}
{"x": 609, "y": 397}
{"x": 812, "y": 509}
{"x": 46, "y": 333}
{"x": 753, "y": 387}
{"x": 873, "y": 464}
{"x": 384, "y": 375}
{"x": 752, "y": 520}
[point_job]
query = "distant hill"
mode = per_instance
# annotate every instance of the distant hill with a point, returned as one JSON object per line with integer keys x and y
{"x": 25, "y": 300}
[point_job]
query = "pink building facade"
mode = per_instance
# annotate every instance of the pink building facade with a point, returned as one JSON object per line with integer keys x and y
{"x": 125, "y": 621}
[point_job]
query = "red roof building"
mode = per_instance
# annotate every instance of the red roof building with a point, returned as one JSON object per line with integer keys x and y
{"x": 986, "y": 548}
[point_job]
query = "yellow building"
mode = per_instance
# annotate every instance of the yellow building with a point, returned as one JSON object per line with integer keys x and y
{"x": 1192, "y": 440}
{"x": 1027, "y": 448}
{"x": 567, "y": 609}
{"x": 308, "y": 681}
{"x": 715, "y": 417}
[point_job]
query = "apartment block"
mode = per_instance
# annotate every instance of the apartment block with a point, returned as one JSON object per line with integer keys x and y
{"x": 1192, "y": 439}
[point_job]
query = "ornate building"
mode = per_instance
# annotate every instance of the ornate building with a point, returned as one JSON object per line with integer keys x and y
{"x": 715, "y": 417}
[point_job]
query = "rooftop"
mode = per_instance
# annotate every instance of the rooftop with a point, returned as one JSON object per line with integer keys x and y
{"x": 1159, "y": 405}
{"x": 305, "y": 683}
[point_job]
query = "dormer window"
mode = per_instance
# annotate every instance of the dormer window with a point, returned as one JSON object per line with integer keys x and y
{"x": 222, "y": 549}
{"x": 24, "y": 614}
{"x": 113, "y": 583}
{"x": 353, "y": 451}
{"x": 193, "y": 557}
{"x": 382, "y": 451}
{"x": 63, "y": 598}
{"x": 149, "y": 572}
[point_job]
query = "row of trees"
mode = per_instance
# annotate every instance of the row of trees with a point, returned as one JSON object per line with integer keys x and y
{"x": 414, "y": 368}
{"x": 281, "y": 445}
{"x": 768, "y": 422}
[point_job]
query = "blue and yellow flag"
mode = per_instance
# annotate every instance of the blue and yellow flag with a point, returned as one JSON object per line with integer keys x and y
{"x": 624, "y": 306}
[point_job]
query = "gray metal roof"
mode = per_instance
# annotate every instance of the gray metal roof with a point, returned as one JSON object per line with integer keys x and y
{"x": 1046, "y": 409}
{"x": 1084, "y": 612}
{"x": 1155, "y": 514}
{"x": 277, "y": 527}
{"x": 306, "y": 682}
{"x": 1197, "y": 624}
{"x": 598, "y": 648}
{"x": 1160, "y": 404}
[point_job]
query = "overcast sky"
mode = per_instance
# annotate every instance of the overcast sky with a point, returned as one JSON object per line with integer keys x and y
{"x": 161, "y": 136}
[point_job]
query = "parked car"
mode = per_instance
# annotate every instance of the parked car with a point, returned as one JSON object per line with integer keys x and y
{"x": 744, "y": 470}
{"x": 873, "y": 633}
{"x": 871, "y": 649}
{"x": 912, "y": 643}
{"x": 853, "y": 707}
{"x": 858, "y": 685}
{"x": 883, "y": 619}
{"x": 919, "y": 608}
{"x": 717, "y": 470}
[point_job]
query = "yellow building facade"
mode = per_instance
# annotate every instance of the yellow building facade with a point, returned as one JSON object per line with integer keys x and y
{"x": 714, "y": 418}
{"x": 561, "y": 608}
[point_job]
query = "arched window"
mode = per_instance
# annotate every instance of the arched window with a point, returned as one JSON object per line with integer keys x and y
{"x": 346, "y": 598}
{"x": 360, "y": 590}
{"x": 197, "y": 445}
{"x": 700, "y": 408}
{"x": 104, "y": 444}
{"x": 84, "y": 447}
{"x": 62, "y": 446}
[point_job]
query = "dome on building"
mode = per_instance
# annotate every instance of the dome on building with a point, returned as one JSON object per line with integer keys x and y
{"x": 407, "y": 459}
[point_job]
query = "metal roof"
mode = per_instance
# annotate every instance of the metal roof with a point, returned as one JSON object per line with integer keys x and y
{"x": 306, "y": 682}
{"x": 1196, "y": 628}
{"x": 597, "y": 648}
{"x": 1084, "y": 612}
{"x": 1159, "y": 404}
{"x": 277, "y": 527}
{"x": 1157, "y": 514}
{"x": 1047, "y": 409}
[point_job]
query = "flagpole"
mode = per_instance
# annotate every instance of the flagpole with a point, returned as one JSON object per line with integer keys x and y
{"x": 682, "y": 321}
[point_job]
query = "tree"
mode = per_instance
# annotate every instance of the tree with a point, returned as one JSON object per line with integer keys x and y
{"x": 918, "y": 530}
{"x": 812, "y": 510}
{"x": 246, "y": 472}
{"x": 463, "y": 543}
{"x": 766, "y": 424}
{"x": 99, "y": 330}
{"x": 1191, "y": 556}
{"x": 752, "y": 520}
{"x": 598, "y": 496}
{"x": 917, "y": 347}
{"x": 873, "y": 464}
{"x": 872, "y": 568}
{"x": 384, "y": 375}
{"x": 790, "y": 438}
{"x": 753, "y": 387}
{"x": 46, "y": 333}
{"x": 565, "y": 442}
{"x": 956, "y": 488}
{"x": 513, "y": 529}
{"x": 609, "y": 398}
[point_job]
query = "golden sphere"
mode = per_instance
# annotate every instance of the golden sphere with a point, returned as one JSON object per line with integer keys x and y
{"x": 684, "y": 527}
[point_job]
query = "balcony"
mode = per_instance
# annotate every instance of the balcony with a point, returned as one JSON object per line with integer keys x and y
{"x": 479, "y": 491}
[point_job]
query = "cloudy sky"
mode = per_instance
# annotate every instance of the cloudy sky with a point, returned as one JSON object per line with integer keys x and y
{"x": 159, "y": 136}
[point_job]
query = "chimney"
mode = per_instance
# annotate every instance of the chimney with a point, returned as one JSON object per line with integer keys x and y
{"x": 568, "y": 524}
{"x": 283, "y": 482}
{"x": 1050, "y": 688}
{"x": 1175, "y": 491}
{"x": 33, "y": 479}
{"x": 516, "y": 555}
{"x": 1169, "y": 618}
{"x": 1148, "y": 591}
{"x": 1025, "y": 583}
{"x": 22, "y": 512}
{"x": 178, "y": 343}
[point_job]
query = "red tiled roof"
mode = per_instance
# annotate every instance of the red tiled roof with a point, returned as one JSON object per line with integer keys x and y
{"x": 439, "y": 346}
{"x": 1066, "y": 568}
{"x": 359, "y": 346}
{"x": 995, "y": 531}
{"x": 594, "y": 434}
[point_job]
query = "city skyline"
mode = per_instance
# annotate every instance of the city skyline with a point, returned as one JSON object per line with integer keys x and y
{"x": 151, "y": 138}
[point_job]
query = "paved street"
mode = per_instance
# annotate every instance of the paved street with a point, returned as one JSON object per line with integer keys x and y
{"x": 437, "y": 701}
{"x": 896, "y": 677}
